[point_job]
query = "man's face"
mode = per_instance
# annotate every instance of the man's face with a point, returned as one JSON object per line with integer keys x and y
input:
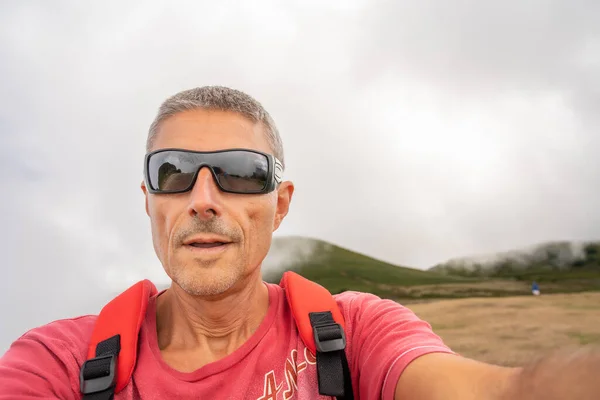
{"x": 206, "y": 214}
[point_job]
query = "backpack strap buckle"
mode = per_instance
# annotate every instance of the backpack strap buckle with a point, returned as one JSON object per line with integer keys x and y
{"x": 329, "y": 337}
{"x": 98, "y": 374}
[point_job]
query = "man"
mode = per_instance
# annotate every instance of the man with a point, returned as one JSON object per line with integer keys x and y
{"x": 219, "y": 331}
{"x": 535, "y": 288}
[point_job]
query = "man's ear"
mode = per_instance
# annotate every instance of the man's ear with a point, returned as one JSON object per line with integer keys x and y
{"x": 145, "y": 190}
{"x": 285, "y": 191}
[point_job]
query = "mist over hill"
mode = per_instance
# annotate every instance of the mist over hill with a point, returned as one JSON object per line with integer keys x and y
{"x": 559, "y": 256}
{"x": 291, "y": 252}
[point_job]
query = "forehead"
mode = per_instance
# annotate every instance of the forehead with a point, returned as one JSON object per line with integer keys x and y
{"x": 208, "y": 130}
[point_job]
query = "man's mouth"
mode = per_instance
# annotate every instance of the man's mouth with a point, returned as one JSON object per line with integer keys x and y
{"x": 207, "y": 242}
{"x": 206, "y": 245}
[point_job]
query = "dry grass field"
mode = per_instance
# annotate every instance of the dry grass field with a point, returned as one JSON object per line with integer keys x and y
{"x": 513, "y": 330}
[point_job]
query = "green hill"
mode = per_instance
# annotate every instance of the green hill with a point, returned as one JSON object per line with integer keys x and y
{"x": 340, "y": 269}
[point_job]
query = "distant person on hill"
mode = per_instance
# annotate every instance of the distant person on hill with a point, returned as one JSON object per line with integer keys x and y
{"x": 535, "y": 289}
{"x": 214, "y": 193}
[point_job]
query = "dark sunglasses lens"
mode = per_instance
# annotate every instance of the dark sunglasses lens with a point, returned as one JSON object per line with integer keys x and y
{"x": 171, "y": 171}
{"x": 241, "y": 171}
{"x": 236, "y": 171}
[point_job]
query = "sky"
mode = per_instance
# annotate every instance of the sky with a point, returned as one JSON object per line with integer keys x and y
{"x": 415, "y": 132}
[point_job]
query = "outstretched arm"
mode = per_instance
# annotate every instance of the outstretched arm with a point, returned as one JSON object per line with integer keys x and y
{"x": 562, "y": 375}
{"x": 567, "y": 374}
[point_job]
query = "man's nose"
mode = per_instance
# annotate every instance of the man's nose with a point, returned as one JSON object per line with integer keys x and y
{"x": 205, "y": 196}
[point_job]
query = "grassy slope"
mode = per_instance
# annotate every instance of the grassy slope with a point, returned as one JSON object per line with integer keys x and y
{"x": 339, "y": 269}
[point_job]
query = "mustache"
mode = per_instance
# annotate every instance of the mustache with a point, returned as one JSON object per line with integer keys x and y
{"x": 214, "y": 226}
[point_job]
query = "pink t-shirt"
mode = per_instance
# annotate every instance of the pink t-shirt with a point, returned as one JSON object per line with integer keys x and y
{"x": 383, "y": 337}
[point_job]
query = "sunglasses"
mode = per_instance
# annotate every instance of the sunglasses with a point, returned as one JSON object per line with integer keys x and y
{"x": 240, "y": 171}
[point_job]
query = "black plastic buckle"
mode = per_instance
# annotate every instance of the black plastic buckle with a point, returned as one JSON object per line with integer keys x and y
{"x": 327, "y": 346}
{"x": 101, "y": 383}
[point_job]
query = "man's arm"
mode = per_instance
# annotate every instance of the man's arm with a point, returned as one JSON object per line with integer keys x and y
{"x": 441, "y": 376}
{"x": 562, "y": 375}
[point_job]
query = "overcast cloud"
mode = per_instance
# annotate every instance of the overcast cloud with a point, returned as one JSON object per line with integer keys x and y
{"x": 414, "y": 131}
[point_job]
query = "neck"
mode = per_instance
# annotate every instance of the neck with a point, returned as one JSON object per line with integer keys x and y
{"x": 193, "y": 331}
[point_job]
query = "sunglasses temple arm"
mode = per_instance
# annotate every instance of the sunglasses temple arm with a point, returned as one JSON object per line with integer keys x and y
{"x": 278, "y": 172}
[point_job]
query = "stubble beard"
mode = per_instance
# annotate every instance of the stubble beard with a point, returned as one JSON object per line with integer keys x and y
{"x": 204, "y": 278}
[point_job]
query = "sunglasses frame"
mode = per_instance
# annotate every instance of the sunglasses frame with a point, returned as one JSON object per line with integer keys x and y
{"x": 274, "y": 172}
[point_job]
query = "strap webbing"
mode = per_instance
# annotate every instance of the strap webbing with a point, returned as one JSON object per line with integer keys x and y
{"x": 333, "y": 373}
{"x": 98, "y": 374}
{"x": 108, "y": 394}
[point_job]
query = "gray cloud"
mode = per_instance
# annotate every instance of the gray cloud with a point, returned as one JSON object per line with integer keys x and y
{"x": 415, "y": 132}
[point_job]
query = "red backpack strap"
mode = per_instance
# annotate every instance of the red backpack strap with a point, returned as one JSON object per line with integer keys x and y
{"x": 113, "y": 348}
{"x": 321, "y": 326}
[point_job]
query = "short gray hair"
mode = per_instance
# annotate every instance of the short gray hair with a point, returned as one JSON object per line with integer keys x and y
{"x": 223, "y": 99}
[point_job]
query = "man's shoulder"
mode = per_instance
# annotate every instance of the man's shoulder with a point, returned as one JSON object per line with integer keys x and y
{"x": 45, "y": 361}
{"x": 367, "y": 309}
{"x": 63, "y": 335}
{"x": 67, "y": 327}
{"x": 351, "y": 302}
{"x": 351, "y": 295}
{"x": 356, "y": 300}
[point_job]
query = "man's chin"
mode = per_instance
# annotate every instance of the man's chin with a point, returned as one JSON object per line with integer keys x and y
{"x": 208, "y": 284}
